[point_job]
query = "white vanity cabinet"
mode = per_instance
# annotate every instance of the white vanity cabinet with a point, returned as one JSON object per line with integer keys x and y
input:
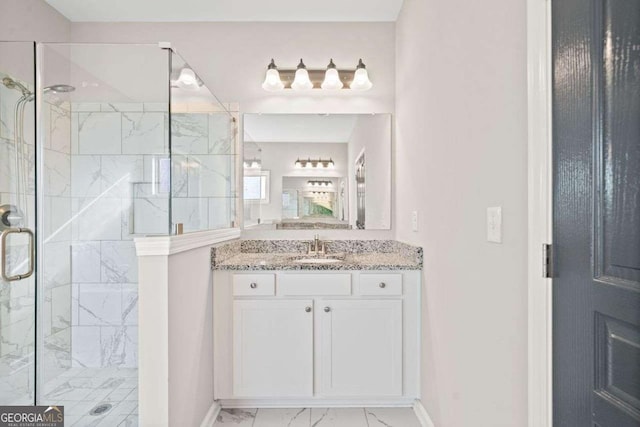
{"x": 273, "y": 348}
{"x": 316, "y": 336}
{"x": 361, "y": 347}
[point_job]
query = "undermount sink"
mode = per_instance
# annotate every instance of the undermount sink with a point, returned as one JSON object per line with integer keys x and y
{"x": 318, "y": 260}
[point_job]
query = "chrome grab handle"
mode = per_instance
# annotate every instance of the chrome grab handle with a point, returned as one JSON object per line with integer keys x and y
{"x": 3, "y": 239}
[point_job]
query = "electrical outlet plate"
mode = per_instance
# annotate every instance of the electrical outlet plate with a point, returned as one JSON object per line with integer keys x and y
{"x": 494, "y": 224}
{"x": 414, "y": 221}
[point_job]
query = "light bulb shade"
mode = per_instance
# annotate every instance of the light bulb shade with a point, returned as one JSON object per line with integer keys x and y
{"x": 187, "y": 76}
{"x": 301, "y": 80}
{"x": 361, "y": 80}
{"x": 272, "y": 81}
{"x": 188, "y": 79}
{"x": 331, "y": 80}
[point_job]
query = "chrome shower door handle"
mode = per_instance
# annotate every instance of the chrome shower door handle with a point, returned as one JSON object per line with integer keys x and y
{"x": 32, "y": 253}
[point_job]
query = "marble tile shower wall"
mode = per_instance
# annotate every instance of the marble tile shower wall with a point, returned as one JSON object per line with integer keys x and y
{"x": 204, "y": 165}
{"x": 116, "y": 154}
{"x": 56, "y": 314}
{"x": 119, "y": 190}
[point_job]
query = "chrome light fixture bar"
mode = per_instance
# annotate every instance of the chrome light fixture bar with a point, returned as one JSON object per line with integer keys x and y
{"x": 328, "y": 79}
{"x": 314, "y": 163}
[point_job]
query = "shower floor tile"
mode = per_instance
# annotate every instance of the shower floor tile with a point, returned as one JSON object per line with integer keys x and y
{"x": 80, "y": 390}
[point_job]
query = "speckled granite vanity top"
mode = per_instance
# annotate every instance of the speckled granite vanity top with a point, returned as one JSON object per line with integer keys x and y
{"x": 292, "y": 255}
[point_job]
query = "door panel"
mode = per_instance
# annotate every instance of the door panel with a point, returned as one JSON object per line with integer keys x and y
{"x": 361, "y": 347}
{"x": 272, "y": 348}
{"x": 596, "y": 307}
{"x": 618, "y": 148}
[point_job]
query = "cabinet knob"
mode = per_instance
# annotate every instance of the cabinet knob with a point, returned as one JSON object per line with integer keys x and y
{"x": 307, "y": 309}
{"x": 253, "y": 285}
{"x": 383, "y": 285}
{"x": 327, "y": 309}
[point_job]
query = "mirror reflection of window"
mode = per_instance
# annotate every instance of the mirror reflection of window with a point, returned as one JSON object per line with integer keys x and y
{"x": 256, "y": 187}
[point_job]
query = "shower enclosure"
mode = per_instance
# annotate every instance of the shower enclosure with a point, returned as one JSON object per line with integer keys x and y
{"x": 99, "y": 144}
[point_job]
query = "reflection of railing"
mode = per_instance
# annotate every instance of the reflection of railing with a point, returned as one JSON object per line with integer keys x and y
{"x": 360, "y": 192}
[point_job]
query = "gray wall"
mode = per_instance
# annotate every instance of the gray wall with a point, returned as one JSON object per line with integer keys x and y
{"x": 462, "y": 147}
{"x": 32, "y": 20}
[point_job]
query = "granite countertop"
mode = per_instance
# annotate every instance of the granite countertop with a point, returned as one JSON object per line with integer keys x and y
{"x": 256, "y": 255}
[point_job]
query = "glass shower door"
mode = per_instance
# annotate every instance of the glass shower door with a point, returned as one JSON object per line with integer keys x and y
{"x": 17, "y": 222}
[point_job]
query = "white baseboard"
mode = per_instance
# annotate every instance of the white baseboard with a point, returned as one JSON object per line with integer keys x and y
{"x": 422, "y": 414}
{"x": 212, "y": 414}
{"x": 317, "y": 403}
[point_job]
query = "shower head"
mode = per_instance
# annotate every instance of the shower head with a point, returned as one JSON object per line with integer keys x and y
{"x": 59, "y": 88}
{"x": 13, "y": 84}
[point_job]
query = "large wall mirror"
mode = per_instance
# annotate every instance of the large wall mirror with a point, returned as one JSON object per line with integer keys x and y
{"x": 317, "y": 171}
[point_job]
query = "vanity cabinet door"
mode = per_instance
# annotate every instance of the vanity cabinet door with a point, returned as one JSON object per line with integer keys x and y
{"x": 272, "y": 348}
{"x": 361, "y": 347}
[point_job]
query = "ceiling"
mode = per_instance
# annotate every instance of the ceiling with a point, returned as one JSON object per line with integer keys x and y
{"x": 299, "y": 128}
{"x": 228, "y": 10}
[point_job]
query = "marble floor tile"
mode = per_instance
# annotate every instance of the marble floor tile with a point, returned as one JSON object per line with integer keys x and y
{"x": 236, "y": 417}
{"x": 318, "y": 417}
{"x": 297, "y": 417}
{"x": 130, "y": 421}
{"x": 338, "y": 417}
{"x": 391, "y": 417}
{"x": 79, "y": 390}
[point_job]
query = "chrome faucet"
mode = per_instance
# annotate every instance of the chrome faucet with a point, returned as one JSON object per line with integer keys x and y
{"x": 316, "y": 247}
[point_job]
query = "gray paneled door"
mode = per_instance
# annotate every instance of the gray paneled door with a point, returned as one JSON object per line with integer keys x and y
{"x": 596, "y": 289}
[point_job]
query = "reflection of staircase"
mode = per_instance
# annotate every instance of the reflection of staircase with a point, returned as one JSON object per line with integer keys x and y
{"x": 327, "y": 204}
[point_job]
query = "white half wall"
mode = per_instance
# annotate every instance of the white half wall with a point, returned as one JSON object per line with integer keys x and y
{"x": 190, "y": 337}
{"x": 461, "y": 135}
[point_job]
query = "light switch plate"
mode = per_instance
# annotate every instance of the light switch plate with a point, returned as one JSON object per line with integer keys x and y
{"x": 414, "y": 221}
{"x": 494, "y": 224}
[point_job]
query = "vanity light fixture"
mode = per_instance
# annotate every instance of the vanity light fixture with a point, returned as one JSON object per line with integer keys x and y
{"x": 252, "y": 163}
{"x": 316, "y": 183}
{"x": 272, "y": 82}
{"x": 331, "y": 78}
{"x": 314, "y": 163}
{"x": 361, "y": 80}
{"x": 302, "y": 81}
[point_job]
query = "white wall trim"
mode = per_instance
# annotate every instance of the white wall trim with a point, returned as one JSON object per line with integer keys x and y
{"x": 422, "y": 414}
{"x": 540, "y": 191}
{"x": 318, "y": 403}
{"x": 212, "y": 415}
{"x": 170, "y": 245}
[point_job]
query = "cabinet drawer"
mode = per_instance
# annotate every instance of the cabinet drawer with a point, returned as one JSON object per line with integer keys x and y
{"x": 254, "y": 284}
{"x": 314, "y": 284}
{"x": 381, "y": 284}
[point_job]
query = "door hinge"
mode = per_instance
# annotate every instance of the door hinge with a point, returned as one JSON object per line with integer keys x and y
{"x": 547, "y": 260}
